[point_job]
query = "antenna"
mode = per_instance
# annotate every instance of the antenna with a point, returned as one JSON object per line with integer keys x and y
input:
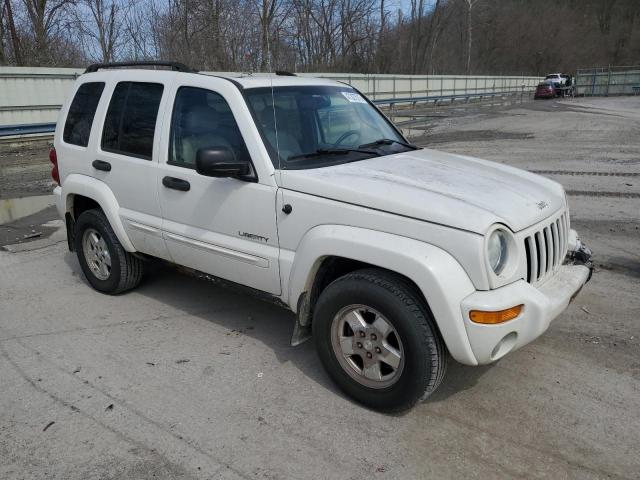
{"x": 273, "y": 104}
{"x": 280, "y": 184}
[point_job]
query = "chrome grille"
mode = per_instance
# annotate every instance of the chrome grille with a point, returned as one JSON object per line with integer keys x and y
{"x": 546, "y": 248}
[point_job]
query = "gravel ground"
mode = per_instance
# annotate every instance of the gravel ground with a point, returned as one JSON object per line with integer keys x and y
{"x": 25, "y": 171}
{"x": 183, "y": 379}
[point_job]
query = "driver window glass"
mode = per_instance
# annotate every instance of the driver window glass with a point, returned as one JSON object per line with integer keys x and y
{"x": 202, "y": 119}
{"x": 337, "y": 119}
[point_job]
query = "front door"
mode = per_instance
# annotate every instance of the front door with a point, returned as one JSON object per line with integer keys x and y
{"x": 222, "y": 226}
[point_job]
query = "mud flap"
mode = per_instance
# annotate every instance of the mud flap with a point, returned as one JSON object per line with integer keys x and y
{"x": 300, "y": 334}
{"x": 70, "y": 224}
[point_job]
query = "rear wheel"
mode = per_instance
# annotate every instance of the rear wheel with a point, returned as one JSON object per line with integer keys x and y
{"x": 377, "y": 339}
{"x": 108, "y": 267}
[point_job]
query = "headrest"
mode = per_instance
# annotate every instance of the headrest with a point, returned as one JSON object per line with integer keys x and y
{"x": 193, "y": 96}
{"x": 200, "y": 119}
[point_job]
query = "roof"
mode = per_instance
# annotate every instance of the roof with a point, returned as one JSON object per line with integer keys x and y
{"x": 245, "y": 80}
{"x": 268, "y": 80}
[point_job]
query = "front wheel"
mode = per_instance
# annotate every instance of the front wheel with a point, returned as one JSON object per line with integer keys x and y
{"x": 378, "y": 341}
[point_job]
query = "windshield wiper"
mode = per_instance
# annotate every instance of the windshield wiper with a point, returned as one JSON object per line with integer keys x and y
{"x": 332, "y": 151}
{"x": 388, "y": 141}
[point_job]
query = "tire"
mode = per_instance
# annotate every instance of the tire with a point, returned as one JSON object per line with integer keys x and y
{"x": 375, "y": 294}
{"x": 124, "y": 271}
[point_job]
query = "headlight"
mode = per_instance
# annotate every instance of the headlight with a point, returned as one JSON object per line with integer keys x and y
{"x": 497, "y": 250}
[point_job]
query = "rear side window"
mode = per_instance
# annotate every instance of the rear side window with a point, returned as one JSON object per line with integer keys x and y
{"x": 81, "y": 112}
{"x": 130, "y": 123}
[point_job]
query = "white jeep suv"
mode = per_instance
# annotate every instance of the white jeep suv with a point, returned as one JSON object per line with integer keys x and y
{"x": 392, "y": 256}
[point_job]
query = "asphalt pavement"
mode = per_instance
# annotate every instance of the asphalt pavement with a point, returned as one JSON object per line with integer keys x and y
{"x": 182, "y": 378}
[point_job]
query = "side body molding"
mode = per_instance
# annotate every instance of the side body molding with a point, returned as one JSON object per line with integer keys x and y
{"x": 441, "y": 279}
{"x": 76, "y": 184}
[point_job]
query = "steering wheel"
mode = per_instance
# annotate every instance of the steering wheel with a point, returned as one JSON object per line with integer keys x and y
{"x": 346, "y": 135}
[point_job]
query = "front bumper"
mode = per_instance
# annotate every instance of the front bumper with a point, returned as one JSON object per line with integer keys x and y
{"x": 542, "y": 304}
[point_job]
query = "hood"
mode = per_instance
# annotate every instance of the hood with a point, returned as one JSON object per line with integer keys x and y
{"x": 453, "y": 190}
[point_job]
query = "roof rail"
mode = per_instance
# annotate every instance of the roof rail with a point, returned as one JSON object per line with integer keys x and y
{"x": 174, "y": 66}
{"x": 285, "y": 74}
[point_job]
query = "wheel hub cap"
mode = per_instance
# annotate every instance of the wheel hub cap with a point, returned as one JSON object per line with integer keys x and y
{"x": 367, "y": 346}
{"x": 96, "y": 254}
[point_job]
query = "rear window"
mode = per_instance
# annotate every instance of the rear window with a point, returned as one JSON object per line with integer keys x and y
{"x": 130, "y": 123}
{"x": 81, "y": 112}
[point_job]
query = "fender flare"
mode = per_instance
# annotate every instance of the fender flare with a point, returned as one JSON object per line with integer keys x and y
{"x": 441, "y": 279}
{"x": 76, "y": 184}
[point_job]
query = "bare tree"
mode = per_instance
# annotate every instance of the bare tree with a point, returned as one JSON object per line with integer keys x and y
{"x": 439, "y": 17}
{"x": 44, "y": 18}
{"x": 100, "y": 27}
{"x": 3, "y": 48}
{"x": 267, "y": 10}
{"x": 424, "y": 36}
{"x": 143, "y": 31}
{"x": 469, "y": 4}
{"x": 15, "y": 41}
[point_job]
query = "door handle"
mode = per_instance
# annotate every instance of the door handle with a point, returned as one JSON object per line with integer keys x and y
{"x": 100, "y": 165}
{"x": 176, "y": 184}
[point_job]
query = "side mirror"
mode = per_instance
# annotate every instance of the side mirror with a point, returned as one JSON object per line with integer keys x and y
{"x": 220, "y": 162}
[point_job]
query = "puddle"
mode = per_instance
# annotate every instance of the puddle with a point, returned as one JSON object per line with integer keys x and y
{"x": 14, "y": 208}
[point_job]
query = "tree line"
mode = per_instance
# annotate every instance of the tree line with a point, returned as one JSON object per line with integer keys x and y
{"x": 530, "y": 37}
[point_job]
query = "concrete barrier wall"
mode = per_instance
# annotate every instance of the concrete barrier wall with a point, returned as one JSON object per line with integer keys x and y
{"x": 33, "y": 95}
{"x": 30, "y": 95}
{"x": 379, "y": 87}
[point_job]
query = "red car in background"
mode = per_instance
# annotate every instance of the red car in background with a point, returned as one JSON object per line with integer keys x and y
{"x": 545, "y": 89}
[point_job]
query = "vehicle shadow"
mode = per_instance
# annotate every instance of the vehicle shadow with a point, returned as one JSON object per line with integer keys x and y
{"x": 232, "y": 309}
{"x": 458, "y": 379}
{"x": 244, "y": 314}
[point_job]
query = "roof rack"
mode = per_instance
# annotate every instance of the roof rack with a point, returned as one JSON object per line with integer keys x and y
{"x": 174, "y": 66}
{"x": 282, "y": 73}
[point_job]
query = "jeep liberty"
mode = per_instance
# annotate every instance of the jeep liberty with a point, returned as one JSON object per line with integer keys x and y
{"x": 393, "y": 257}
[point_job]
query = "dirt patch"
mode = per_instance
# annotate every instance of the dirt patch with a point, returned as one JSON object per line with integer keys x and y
{"x": 471, "y": 136}
{"x": 25, "y": 172}
{"x": 30, "y": 228}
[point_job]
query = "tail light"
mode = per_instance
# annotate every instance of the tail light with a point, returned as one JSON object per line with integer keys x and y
{"x": 53, "y": 158}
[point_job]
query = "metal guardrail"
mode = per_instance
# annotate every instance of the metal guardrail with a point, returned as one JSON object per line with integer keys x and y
{"x": 39, "y": 128}
{"x": 435, "y": 98}
{"x": 35, "y": 128}
{"x": 31, "y": 96}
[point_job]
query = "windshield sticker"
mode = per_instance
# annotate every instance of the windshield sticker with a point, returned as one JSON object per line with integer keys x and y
{"x": 353, "y": 97}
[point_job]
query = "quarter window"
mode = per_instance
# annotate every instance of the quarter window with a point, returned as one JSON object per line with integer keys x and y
{"x": 81, "y": 112}
{"x": 130, "y": 123}
{"x": 202, "y": 118}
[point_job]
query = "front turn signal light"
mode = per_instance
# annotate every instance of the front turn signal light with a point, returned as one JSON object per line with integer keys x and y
{"x": 492, "y": 318}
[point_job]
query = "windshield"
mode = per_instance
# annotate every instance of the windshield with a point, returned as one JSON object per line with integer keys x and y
{"x": 316, "y": 126}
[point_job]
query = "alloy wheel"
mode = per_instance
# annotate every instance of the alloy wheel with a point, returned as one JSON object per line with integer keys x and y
{"x": 367, "y": 346}
{"x": 96, "y": 254}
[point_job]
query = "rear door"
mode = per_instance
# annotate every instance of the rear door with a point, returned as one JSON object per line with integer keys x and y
{"x": 126, "y": 152}
{"x": 222, "y": 226}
